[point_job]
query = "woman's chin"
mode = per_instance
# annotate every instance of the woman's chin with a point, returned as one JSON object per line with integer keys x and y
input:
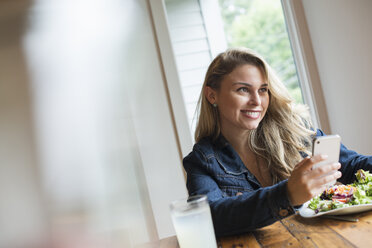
{"x": 251, "y": 127}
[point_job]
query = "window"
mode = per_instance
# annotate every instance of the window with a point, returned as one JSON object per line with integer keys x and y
{"x": 257, "y": 24}
{"x": 260, "y": 25}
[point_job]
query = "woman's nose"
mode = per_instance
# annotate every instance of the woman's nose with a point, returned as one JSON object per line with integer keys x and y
{"x": 255, "y": 99}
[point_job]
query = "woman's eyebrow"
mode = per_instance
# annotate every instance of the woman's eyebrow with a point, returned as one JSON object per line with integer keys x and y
{"x": 249, "y": 85}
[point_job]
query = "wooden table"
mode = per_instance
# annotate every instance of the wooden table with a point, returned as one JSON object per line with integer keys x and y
{"x": 296, "y": 231}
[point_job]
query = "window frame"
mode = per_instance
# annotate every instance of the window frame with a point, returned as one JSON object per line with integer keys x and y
{"x": 171, "y": 78}
{"x": 306, "y": 66}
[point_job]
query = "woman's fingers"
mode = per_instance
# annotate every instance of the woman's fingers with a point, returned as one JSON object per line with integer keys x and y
{"x": 323, "y": 170}
{"x": 334, "y": 175}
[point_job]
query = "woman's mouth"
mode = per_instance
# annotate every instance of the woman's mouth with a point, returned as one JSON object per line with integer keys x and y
{"x": 251, "y": 114}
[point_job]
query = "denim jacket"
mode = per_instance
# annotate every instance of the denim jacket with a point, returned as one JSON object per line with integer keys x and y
{"x": 238, "y": 202}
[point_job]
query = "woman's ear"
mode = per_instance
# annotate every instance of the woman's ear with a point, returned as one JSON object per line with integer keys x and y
{"x": 211, "y": 95}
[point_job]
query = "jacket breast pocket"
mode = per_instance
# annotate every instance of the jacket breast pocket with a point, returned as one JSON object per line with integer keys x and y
{"x": 229, "y": 191}
{"x": 232, "y": 185}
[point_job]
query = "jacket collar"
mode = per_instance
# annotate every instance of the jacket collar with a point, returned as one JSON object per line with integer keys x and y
{"x": 221, "y": 142}
{"x": 227, "y": 157}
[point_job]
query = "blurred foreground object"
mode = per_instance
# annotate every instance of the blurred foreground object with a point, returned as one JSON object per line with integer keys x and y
{"x": 71, "y": 170}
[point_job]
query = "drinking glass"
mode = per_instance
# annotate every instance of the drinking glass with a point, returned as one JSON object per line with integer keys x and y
{"x": 193, "y": 222}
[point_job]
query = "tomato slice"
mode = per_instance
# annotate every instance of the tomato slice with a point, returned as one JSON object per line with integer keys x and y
{"x": 343, "y": 200}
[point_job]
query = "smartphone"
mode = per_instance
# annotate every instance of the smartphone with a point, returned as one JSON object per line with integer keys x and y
{"x": 327, "y": 145}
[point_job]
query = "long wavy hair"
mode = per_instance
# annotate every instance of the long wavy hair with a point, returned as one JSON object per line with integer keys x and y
{"x": 284, "y": 131}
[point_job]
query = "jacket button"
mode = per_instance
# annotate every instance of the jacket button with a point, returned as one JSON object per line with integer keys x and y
{"x": 283, "y": 212}
{"x": 239, "y": 193}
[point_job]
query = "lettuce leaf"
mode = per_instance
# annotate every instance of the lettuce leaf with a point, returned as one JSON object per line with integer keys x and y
{"x": 363, "y": 176}
{"x": 360, "y": 197}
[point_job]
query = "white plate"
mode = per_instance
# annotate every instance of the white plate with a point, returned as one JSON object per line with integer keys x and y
{"x": 306, "y": 212}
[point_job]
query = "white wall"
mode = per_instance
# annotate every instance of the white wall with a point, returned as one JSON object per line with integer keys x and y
{"x": 341, "y": 35}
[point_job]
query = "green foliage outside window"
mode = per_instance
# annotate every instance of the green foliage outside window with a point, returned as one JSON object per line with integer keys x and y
{"x": 260, "y": 25}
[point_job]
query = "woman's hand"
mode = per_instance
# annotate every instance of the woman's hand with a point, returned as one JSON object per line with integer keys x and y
{"x": 305, "y": 182}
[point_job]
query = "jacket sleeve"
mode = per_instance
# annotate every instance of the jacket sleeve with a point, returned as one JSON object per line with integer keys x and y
{"x": 351, "y": 162}
{"x": 237, "y": 214}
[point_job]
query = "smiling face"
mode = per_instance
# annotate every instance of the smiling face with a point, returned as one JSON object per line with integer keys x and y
{"x": 242, "y": 99}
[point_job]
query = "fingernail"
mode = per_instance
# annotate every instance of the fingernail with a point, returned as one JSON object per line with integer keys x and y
{"x": 324, "y": 156}
{"x": 336, "y": 165}
{"x": 338, "y": 174}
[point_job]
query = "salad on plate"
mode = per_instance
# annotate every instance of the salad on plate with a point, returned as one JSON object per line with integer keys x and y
{"x": 341, "y": 196}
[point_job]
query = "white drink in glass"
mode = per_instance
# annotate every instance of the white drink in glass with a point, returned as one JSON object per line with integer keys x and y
{"x": 193, "y": 223}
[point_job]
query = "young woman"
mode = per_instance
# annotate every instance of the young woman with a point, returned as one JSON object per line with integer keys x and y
{"x": 251, "y": 156}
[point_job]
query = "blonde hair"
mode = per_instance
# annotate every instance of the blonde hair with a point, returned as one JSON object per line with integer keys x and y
{"x": 282, "y": 133}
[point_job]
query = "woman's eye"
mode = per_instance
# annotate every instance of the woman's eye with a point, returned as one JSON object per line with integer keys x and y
{"x": 263, "y": 90}
{"x": 243, "y": 89}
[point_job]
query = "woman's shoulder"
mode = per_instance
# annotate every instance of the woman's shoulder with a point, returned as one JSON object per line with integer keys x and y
{"x": 198, "y": 158}
{"x": 202, "y": 148}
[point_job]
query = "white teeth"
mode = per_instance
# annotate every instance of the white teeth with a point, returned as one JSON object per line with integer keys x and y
{"x": 252, "y": 114}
